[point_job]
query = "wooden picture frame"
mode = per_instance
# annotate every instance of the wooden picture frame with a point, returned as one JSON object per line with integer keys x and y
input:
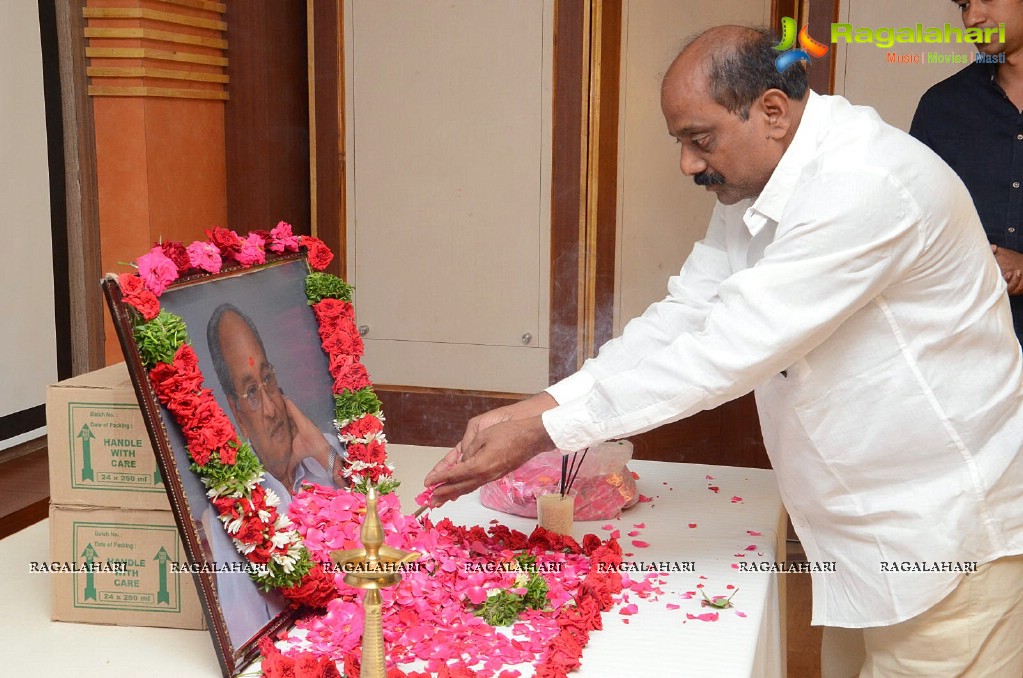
{"x": 272, "y": 297}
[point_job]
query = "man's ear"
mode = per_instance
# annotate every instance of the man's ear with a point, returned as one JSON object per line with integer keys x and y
{"x": 776, "y": 110}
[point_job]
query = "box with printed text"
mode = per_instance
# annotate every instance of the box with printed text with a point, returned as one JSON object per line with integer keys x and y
{"x": 99, "y": 447}
{"x": 120, "y": 567}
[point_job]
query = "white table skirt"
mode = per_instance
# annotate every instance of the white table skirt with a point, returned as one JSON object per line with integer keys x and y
{"x": 657, "y": 641}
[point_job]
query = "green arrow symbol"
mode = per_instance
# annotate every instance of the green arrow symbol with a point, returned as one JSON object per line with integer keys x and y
{"x": 157, "y": 478}
{"x": 89, "y": 554}
{"x": 86, "y": 435}
{"x": 163, "y": 595}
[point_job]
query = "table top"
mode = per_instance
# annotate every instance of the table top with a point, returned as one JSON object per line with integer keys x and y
{"x": 686, "y": 522}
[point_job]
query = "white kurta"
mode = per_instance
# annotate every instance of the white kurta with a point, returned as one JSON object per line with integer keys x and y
{"x": 859, "y": 297}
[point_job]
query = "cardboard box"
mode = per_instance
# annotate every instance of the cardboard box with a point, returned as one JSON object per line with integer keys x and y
{"x": 99, "y": 448}
{"x": 143, "y": 546}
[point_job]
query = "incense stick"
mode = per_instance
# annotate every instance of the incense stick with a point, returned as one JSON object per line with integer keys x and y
{"x": 575, "y": 475}
{"x": 564, "y": 473}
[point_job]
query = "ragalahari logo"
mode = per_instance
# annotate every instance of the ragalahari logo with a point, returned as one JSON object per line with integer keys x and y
{"x": 808, "y": 47}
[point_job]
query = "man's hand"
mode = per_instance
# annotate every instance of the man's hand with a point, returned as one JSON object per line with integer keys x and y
{"x": 308, "y": 441}
{"x": 533, "y": 406}
{"x": 1011, "y": 264}
{"x": 493, "y": 451}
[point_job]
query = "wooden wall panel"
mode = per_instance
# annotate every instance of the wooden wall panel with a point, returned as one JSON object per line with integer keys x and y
{"x": 267, "y": 116}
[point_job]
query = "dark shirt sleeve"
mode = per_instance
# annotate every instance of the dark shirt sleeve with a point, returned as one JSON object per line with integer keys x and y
{"x": 918, "y": 128}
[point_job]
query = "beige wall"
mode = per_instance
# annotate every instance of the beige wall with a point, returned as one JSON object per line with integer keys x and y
{"x": 661, "y": 213}
{"x": 28, "y": 359}
{"x": 862, "y": 73}
{"x": 448, "y": 119}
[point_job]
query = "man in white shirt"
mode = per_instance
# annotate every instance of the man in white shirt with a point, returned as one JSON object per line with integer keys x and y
{"x": 844, "y": 277}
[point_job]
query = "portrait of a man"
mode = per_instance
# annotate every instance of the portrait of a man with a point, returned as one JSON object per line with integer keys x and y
{"x": 257, "y": 345}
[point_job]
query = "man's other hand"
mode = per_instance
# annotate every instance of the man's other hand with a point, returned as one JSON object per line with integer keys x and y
{"x": 1011, "y": 264}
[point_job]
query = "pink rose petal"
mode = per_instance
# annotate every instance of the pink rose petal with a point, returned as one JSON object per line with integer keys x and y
{"x": 753, "y": 533}
{"x": 672, "y": 606}
{"x": 706, "y": 616}
{"x": 714, "y": 489}
{"x": 736, "y": 500}
{"x": 739, "y": 613}
{"x": 644, "y": 499}
{"x": 631, "y": 608}
{"x": 635, "y": 533}
{"x": 640, "y": 544}
{"x": 751, "y": 547}
{"x": 641, "y": 526}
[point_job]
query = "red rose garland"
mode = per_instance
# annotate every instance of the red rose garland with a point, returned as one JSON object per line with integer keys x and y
{"x": 228, "y": 468}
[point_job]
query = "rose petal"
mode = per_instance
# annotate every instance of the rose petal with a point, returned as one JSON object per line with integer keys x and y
{"x": 706, "y": 616}
{"x": 753, "y": 533}
{"x": 640, "y": 544}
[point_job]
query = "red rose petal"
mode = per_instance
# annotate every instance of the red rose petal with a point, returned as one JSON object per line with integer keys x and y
{"x": 640, "y": 544}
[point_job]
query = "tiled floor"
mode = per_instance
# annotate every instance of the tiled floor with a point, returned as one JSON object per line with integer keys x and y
{"x": 25, "y": 494}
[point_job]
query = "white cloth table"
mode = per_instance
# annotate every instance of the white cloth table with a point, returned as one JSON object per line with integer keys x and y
{"x": 655, "y": 642}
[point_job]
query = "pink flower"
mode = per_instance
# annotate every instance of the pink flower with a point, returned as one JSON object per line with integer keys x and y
{"x": 251, "y": 251}
{"x": 282, "y": 239}
{"x": 157, "y": 270}
{"x": 204, "y": 255}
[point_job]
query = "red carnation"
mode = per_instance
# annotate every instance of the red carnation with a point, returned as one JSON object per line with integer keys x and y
{"x": 315, "y": 590}
{"x": 318, "y": 253}
{"x": 176, "y": 252}
{"x": 135, "y": 294}
{"x": 226, "y": 240}
{"x": 352, "y": 378}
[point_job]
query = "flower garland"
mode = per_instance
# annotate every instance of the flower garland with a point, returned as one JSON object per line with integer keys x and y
{"x": 227, "y": 467}
{"x": 433, "y": 616}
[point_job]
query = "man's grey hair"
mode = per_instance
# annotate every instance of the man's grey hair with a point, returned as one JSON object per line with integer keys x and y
{"x": 739, "y": 75}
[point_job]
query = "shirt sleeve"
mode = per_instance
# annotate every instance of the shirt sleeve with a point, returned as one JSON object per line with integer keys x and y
{"x": 690, "y": 296}
{"x": 843, "y": 238}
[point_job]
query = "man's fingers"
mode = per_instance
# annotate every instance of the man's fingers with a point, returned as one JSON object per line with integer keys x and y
{"x": 449, "y": 460}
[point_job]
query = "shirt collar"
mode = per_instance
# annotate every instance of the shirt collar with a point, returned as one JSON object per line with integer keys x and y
{"x": 771, "y": 202}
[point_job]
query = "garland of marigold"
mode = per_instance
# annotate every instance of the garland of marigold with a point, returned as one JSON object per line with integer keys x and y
{"x": 227, "y": 467}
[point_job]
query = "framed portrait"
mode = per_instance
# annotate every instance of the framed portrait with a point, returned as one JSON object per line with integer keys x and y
{"x": 257, "y": 346}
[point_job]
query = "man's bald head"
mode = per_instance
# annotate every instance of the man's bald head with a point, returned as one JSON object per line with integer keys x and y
{"x": 735, "y": 65}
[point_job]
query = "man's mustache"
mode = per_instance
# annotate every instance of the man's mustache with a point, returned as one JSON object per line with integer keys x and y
{"x": 708, "y": 178}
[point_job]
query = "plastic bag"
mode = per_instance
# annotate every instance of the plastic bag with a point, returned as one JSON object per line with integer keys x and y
{"x": 604, "y": 485}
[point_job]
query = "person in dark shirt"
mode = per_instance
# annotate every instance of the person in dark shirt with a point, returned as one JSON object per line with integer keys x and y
{"x": 973, "y": 121}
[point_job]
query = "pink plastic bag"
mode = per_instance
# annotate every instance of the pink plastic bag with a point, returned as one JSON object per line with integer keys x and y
{"x": 603, "y": 487}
